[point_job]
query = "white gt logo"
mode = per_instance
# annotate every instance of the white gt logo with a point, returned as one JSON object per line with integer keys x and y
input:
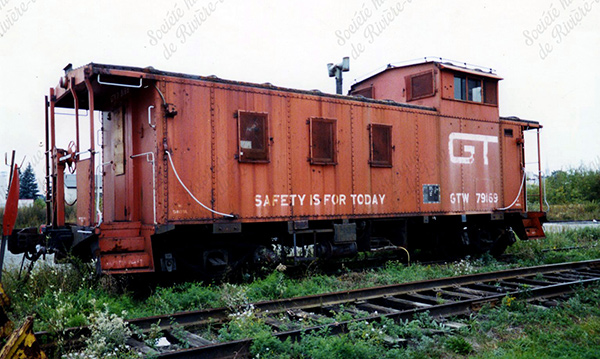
{"x": 469, "y": 149}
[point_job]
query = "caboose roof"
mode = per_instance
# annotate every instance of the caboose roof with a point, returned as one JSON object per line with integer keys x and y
{"x": 441, "y": 64}
{"x": 93, "y": 71}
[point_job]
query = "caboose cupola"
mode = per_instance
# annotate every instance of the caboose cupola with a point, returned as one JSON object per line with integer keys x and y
{"x": 450, "y": 88}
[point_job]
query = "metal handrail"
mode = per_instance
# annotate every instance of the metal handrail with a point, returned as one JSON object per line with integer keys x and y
{"x": 120, "y": 85}
{"x": 150, "y": 116}
{"x": 150, "y": 158}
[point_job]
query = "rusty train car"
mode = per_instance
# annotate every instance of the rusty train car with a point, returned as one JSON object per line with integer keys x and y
{"x": 202, "y": 174}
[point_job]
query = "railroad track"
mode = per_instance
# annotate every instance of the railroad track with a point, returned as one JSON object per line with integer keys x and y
{"x": 289, "y": 318}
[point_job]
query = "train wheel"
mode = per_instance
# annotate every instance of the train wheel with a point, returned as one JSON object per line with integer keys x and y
{"x": 265, "y": 258}
{"x": 481, "y": 240}
{"x": 506, "y": 238}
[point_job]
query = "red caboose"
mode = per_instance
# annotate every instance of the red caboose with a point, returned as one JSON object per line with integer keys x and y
{"x": 204, "y": 174}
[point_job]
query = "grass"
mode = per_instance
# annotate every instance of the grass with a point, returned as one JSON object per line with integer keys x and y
{"x": 574, "y": 211}
{"x": 63, "y": 296}
{"x": 571, "y": 330}
{"x": 536, "y": 252}
{"x": 511, "y": 330}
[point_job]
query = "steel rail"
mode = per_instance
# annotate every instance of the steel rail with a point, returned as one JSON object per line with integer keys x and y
{"x": 509, "y": 283}
{"x": 240, "y": 348}
{"x": 210, "y": 316}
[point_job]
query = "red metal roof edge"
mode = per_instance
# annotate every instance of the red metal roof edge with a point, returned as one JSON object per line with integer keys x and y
{"x": 152, "y": 73}
{"x": 529, "y": 123}
{"x": 469, "y": 71}
{"x": 441, "y": 64}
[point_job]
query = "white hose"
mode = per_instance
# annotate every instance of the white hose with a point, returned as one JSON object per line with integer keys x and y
{"x": 190, "y": 193}
{"x": 518, "y": 195}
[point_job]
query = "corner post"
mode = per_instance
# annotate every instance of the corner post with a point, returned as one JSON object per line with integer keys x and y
{"x": 92, "y": 167}
{"x": 540, "y": 171}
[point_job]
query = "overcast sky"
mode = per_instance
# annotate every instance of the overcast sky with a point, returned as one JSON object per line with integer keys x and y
{"x": 546, "y": 51}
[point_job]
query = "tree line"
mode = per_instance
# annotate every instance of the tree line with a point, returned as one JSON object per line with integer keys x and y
{"x": 578, "y": 185}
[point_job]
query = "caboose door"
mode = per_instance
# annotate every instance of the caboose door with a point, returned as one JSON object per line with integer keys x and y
{"x": 129, "y": 172}
{"x": 513, "y": 164}
{"x": 117, "y": 178}
{"x": 120, "y": 145}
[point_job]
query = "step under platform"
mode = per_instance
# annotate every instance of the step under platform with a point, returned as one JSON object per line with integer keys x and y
{"x": 126, "y": 248}
{"x": 533, "y": 225}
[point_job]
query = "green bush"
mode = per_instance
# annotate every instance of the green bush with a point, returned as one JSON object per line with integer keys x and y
{"x": 572, "y": 194}
{"x": 35, "y": 216}
{"x": 578, "y": 185}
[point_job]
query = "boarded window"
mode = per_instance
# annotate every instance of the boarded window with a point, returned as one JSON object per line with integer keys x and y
{"x": 322, "y": 141}
{"x": 253, "y": 134}
{"x": 420, "y": 85}
{"x": 364, "y": 92}
{"x": 491, "y": 92}
{"x": 381, "y": 145}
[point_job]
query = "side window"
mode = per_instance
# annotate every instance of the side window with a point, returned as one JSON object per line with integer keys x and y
{"x": 381, "y": 145}
{"x": 460, "y": 88}
{"x": 420, "y": 85}
{"x": 475, "y": 90}
{"x": 467, "y": 88}
{"x": 323, "y": 141}
{"x": 253, "y": 135}
{"x": 118, "y": 139}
